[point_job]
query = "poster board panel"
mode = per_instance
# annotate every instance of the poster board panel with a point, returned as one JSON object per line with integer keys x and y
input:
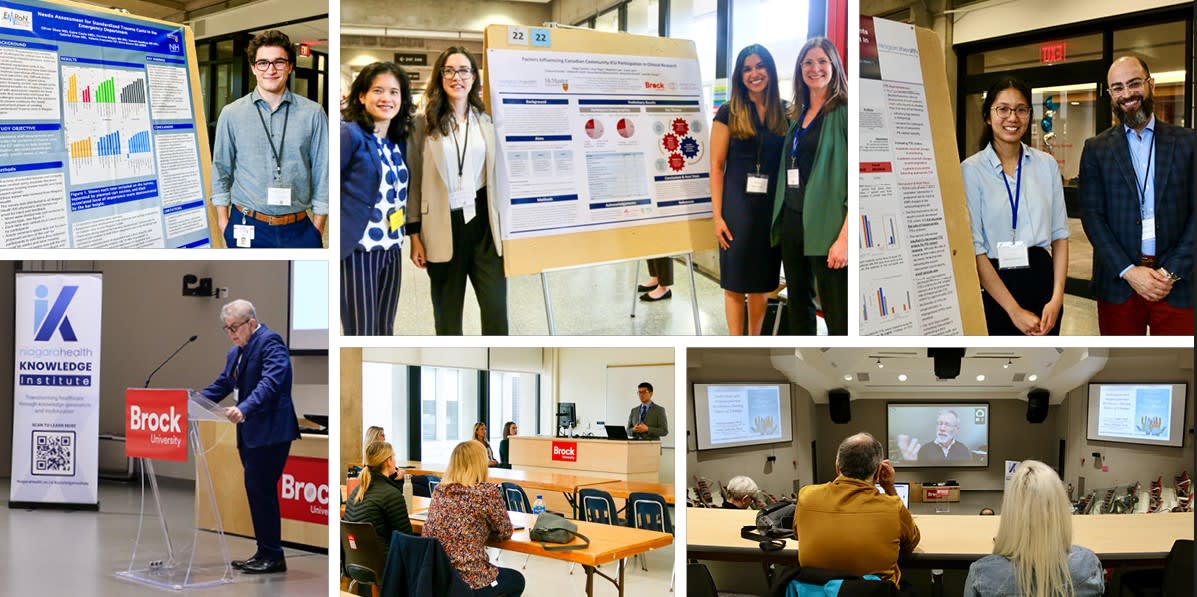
{"x": 535, "y": 254}
{"x": 103, "y": 141}
{"x": 951, "y": 183}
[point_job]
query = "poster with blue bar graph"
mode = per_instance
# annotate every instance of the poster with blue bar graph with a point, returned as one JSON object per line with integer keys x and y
{"x": 101, "y": 139}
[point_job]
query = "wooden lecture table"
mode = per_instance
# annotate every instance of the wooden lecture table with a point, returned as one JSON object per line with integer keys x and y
{"x": 608, "y": 543}
{"x": 714, "y": 534}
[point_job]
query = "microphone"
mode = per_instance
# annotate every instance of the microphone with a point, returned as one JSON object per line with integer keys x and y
{"x": 172, "y": 355}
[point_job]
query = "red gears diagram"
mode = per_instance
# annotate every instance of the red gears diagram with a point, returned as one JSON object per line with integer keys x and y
{"x": 680, "y": 127}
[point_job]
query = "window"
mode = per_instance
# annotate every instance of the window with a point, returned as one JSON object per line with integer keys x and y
{"x": 1163, "y": 48}
{"x": 779, "y": 25}
{"x": 513, "y": 397}
{"x": 642, "y": 17}
{"x": 448, "y": 408}
{"x": 608, "y": 21}
{"x": 697, "y": 20}
{"x": 384, "y": 403}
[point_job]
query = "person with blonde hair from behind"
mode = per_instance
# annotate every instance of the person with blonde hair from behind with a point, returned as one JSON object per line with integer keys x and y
{"x": 378, "y": 498}
{"x": 465, "y": 512}
{"x": 1033, "y": 555}
{"x": 373, "y": 434}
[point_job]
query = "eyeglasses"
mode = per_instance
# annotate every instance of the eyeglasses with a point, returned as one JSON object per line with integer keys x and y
{"x": 1133, "y": 85}
{"x": 278, "y": 64}
{"x": 232, "y": 329}
{"x": 1005, "y": 111}
{"x": 813, "y": 63}
{"x": 464, "y": 72}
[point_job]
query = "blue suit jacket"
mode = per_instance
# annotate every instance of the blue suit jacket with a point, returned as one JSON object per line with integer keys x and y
{"x": 263, "y": 383}
{"x": 361, "y": 174}
{"x": 1110, "y": 209}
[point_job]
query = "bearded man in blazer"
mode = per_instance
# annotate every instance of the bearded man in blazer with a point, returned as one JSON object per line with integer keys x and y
{"x": 1137, "y": 193}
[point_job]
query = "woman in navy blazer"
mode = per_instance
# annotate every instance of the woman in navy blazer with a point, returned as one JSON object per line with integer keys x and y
{"x": 375, "y": 181}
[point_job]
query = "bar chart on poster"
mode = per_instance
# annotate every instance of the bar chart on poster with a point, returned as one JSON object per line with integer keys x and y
{"x": 102, "y": 141}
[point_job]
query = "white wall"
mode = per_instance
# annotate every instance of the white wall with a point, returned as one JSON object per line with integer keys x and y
{"x": 256, "y": 15}
{"x": 1128, "y": 463}
{"x": 998, "y": 18}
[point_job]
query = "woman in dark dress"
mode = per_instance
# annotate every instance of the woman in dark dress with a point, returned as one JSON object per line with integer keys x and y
{"x": 746, "y": 141}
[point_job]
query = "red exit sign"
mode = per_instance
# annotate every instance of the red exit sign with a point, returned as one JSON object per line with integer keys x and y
{"x": 1051, "y": 53}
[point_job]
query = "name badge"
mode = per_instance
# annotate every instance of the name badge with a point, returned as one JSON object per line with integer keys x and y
{"x": 793, "y": 178}
{"x": 459, "y": 198}
{"x": 758, "y": 183}
{"x": 1149, "y": 228}
{"x": 1013, "y": 255}
{"x": 396, "y": 219}
{"x": 243, "y": 233}
{"x": 468, "y": 212}
{"x": 280, "y": 196}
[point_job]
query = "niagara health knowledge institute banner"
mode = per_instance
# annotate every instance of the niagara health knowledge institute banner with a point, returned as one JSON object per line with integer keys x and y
{"x": 56, "y": 397}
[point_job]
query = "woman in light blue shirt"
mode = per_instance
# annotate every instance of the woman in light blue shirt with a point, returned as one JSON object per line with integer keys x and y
{"x": 1019, "y": 223}
{"x": 1033, "y": 555}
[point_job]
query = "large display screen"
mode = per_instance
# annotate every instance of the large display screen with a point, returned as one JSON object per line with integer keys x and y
{"x": 938, "y": 435}
{"x": 731, "y": 415}
{"x": 1151, "y": 414}
{"x": 309, "y": 306}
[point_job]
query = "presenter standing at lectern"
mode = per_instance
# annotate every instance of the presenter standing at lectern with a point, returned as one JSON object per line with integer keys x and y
{"x": 257, "y": 372}
{"x": 648, "y": 420}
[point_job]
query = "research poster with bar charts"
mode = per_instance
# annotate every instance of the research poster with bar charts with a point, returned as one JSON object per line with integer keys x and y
{"x": 906, "y": 282}
{"x": 98, "y": 138}
{"x": 56, "y": 389}
{"x": 596, "y": 141}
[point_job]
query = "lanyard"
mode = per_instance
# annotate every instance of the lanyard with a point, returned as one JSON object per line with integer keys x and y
{"x": 799, "y": 134}
{"x": 278, "y": 162}
{"x": 460, "y": 152}
{"x": 1146, "y": 174}
{"x": 1014, "y": 199}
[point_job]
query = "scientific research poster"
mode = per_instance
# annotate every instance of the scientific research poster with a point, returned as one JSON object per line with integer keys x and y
{"x": 98, "y": 145}
{"x": 906, "y": 282}
{"x": 595, "y": 141}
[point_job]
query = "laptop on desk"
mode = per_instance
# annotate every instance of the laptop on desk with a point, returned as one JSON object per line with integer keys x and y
{"x": 617, "y": 432}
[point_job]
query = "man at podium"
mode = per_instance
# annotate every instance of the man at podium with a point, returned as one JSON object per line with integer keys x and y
{"x": 257, "y": 372}
{"x": 648, "y": 420}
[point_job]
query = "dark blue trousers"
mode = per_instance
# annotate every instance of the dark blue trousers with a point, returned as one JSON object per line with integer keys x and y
{"x": 296, "y": 235}
{"x": 263, "y": 469}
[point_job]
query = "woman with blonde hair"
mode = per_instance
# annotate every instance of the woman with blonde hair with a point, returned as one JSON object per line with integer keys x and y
{"x": 373, "y": 434}
{"x": 1033, "y": 555}
{"x": 465, "y": 512}
{"x": 480, "y": 436}
{"x": 378, "y": 498}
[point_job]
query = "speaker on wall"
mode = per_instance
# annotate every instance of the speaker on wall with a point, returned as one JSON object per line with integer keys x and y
{"x": 1037, "y": 405}
{"x": 840, "y": 411}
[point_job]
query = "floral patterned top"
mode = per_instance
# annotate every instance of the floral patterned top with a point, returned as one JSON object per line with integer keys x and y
{"x": 463, "y": 519}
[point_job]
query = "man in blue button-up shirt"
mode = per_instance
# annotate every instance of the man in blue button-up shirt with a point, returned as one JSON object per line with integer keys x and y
{"x": 270, "y": 160}
{"x": 1137, "y": 191}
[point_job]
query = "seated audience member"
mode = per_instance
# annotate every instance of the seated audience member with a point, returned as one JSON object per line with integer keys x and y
{"x": 987, "y": 512}
{"x": 739, "y": 494}
{"x": 374, "y": 433}
{"x": 480, "y": 435}
{"x": 846, "y": 526}
{"x": 509, "y": 429}
{"x": 1033, "y": 555}
{"x": 378, "y": 498}
{"x": 465, "y": 512}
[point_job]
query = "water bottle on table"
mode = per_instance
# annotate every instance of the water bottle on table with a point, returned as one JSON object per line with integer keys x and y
{"x": 538, "y": 506}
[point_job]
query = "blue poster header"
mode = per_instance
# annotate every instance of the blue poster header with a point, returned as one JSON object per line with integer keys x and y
{"x": 536, "y": 102}
{"x": 28, "y": 128}
{"x": 519, "y": 138}
{"x": 29, "y": 167}
{"x": 85, "y": 28}
{"x": 173, "y": 127}
{"x": 99, "y": 62}
{"x": 545, "y": 199}
{"x": 12, "y": 43}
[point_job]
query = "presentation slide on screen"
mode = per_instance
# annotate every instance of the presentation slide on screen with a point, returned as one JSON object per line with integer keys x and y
{"x": 906, "y": 282}
{"x": 1137, "y": 413}
{"x": 947, "y": 435}
{"x": 739, "y": 415}
{"x": 98, "y": 146}
{"x": 309, "y": 305}
{"x": 593, "y": 141}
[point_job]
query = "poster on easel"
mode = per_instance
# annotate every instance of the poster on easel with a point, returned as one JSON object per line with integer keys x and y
{"x": 602, "y": 142}
{"x": 102, "y": 136}
{"x": 917, "y": 272}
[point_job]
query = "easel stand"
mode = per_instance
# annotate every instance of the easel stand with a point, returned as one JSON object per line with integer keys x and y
{"x": 171, "y": 564}
{"x": 548, "y": 301}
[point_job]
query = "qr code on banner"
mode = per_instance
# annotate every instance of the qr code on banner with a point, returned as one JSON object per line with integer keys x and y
{"x": 54, "y": 453}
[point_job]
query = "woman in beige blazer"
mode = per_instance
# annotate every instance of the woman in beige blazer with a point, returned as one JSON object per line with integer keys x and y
{"x": 453, "y": 218}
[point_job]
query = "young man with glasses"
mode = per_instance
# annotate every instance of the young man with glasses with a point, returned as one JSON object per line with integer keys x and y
{"x": 1137, "y": 192}
{"x": 270, "y": 161}
{"x": 257, "y": 372}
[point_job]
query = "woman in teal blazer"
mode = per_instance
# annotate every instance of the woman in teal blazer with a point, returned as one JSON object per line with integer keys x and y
{"x": 810, "y": 209}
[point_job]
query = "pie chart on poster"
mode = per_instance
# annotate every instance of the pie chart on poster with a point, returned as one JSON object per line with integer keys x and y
{"x": 594, "y": 128}
{"x": 625, "y": 128}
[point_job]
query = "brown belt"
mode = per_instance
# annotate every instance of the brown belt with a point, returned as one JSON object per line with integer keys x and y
{"x": 273, "y": 220}
{"x": 1147, "y": 260}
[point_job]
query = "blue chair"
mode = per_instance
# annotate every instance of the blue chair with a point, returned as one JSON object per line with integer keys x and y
{"x": 422, "y": 485}
{"x": 597, "y": 506}
{"x": 648, "y": 511}
{"x": 517, "y": 500}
